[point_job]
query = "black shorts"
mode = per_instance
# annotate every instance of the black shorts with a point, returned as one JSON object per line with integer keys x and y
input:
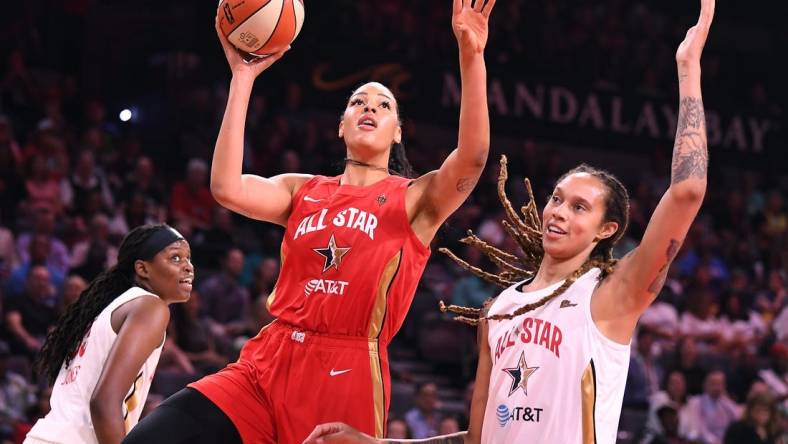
{"x": 185, "y": 417}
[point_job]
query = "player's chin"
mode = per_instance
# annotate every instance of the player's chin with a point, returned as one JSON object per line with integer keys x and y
{"x": 183, "y": 292}
{"x": 557, "y": 249}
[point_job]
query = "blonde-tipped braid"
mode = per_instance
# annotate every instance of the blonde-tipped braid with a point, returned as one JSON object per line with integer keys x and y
{"x": 527, "y": 232}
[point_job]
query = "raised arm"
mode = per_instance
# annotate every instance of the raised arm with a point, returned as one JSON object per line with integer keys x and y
{"x": 444, "y": 190}
{"x": 624, "y": 296}
{"x": 262, "y": 198}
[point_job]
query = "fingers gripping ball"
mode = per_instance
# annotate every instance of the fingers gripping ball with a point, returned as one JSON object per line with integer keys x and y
{"x": 261, "y": 27}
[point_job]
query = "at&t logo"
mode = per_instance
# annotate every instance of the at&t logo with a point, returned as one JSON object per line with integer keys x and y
{"x": 523, "y": 414}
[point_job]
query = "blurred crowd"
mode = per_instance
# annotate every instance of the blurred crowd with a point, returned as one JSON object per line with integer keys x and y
{"x": 710, "y": 357}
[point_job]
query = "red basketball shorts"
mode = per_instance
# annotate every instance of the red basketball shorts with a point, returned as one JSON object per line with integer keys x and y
{"x": 287, "y": 381}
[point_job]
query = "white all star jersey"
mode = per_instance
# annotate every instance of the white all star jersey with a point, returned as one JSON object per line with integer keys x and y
{"x": 69, "y": 421}
{"x": 556, "y": 379}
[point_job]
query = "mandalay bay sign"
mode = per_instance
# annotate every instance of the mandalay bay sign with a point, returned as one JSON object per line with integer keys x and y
{"x": 534, "y": 107}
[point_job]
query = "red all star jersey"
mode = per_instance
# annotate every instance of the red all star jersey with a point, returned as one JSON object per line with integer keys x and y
{"x": 350, "y": 259}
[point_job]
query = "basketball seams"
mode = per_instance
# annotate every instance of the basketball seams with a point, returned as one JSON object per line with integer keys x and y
{"x": 248, "y": 16}
{"x": 299, "y": 22}
{"x": 276, "y": 26}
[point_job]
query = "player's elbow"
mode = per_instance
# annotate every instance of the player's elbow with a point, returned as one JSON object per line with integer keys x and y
{"x": 476, "y": 157}
{"x": 221, "y": 192}
{"x": 692, "y": 194}
{"x": 101, "y": 408}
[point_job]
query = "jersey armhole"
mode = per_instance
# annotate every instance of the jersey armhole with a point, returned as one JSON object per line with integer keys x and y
{"x": 604, "y": 340}
{"x": 296, "y": 198}
{"x": 304, "y": 187}
{"x": 112, "y": 329}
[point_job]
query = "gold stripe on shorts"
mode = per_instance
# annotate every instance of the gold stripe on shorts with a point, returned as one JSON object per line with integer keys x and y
{"x": 588, "y": 403}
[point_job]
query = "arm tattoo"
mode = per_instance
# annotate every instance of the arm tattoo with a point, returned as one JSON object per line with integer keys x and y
{"x": 465, "y": 184}
{"x": 690, "y": 153}
{"x": 662, "y": 275}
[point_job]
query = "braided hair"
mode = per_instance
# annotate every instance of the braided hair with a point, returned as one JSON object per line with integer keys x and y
{"x": 527, "y": 232}
{"x": 63, "y": 340}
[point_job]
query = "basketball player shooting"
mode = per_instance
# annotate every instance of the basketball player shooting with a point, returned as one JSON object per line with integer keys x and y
{"x": 554, "y": 345}
{"x": 354, "y": 248}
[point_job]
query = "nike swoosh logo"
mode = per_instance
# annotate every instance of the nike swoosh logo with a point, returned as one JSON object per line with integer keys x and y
{"x": 338, "y": 372}
{"x": 310, "y": 199}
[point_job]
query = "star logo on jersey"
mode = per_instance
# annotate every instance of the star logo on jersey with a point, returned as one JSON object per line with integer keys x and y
{"x": 520, "y": 375}
{"x": 332, "y": 254}
{"x": 381, "y": 199}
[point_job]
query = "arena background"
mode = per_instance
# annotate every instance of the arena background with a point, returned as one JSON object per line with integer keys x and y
{"x": 569, "y": 82}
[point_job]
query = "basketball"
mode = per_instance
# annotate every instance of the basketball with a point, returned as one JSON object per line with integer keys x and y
{"x": 261, "y": 27}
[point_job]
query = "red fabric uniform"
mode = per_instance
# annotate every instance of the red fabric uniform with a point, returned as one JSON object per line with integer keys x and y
{"x": 350, "y": 266}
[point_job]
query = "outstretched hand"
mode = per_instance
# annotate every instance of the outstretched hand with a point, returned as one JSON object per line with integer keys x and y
{"x": 469, "y": 22}
{"x": 242, "y": 63}
{"x": 338, "y": 433}
{"x": 691, "y": 48}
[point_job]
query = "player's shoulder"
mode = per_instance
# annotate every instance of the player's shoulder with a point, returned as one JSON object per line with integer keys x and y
{"x": 486, "y": 305}
{"x": 147, "y": 306}
{"x": 295, "y": 180}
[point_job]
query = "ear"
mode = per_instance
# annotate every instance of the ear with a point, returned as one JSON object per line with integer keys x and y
{"x": 398, "y": 135}
{"x": 141, "y": 269}
{"x": 607, "y": 230}
{"x": 341, "y": 129}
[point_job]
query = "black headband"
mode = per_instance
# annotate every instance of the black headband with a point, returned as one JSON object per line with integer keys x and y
{"x": 157, "y": 241}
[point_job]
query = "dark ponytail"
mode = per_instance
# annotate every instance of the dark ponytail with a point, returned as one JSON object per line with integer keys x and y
{"x": 399, "y": 163}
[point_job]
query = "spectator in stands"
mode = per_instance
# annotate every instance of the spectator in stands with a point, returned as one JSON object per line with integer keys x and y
{"x": 675, "y": 396}
{"x": 57, "y": 257}
{"x": 744, "y": 329}
{"x": 72, "y": 290}
{"x": 38, "y": 410}
{"x": 8, "y": 259}
{"x": 709, "y": 414}
{"x": 40, "y": 248}
{"x": 225, "y": 302}
{"x": 770, "y": 301}
{"x": 669, "y": 426}
{"x": 191, "y": 202}
{"x": 134, "y": 212}
{"x": 29, "y": 316}
{"x": 211, "y": 244}
{"x": 662, "y": 319}
{"x": 87, "y": 180}
{"x": 449, "y": 425}
{"x": 16, "y": 395}
{"x": 644, "y": 373}
{"x": 397, "y": 429}
{"x": 686, "y": 361}
{"x": 193, "y": 335}
{"x": 700, "y": 321}
{"x": 264, "y": 279}
{"x": 423, "y": 419}
{"x": 780, "y": 325}
{"x": 142, "y": 179}
{"x": 96, "y": 253}
{"x": 758, "y": 424}
{"x": 470, "y": 290}
{"x": 43, "y": 191}
{"x": 775, "y": 219}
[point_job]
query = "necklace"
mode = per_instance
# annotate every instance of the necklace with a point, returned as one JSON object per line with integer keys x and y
{"x": 364, "y": 164}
